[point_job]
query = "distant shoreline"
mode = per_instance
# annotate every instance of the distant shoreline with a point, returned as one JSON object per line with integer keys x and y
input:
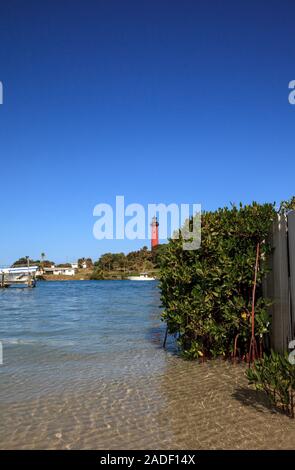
{"x": 72, "y": 278}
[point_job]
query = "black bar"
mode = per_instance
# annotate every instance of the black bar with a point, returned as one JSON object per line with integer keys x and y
{"x": 138, "y": 459}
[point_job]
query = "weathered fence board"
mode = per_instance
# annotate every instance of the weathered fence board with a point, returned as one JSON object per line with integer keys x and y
{"x": 280, "y": 282}
{"x": 291, "y": 240}
{"x": 280, "y": 286}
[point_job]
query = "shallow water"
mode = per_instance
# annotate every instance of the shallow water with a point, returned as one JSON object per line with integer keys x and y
{"x": 84, "y": 368}
{"x": 67, "y": 334}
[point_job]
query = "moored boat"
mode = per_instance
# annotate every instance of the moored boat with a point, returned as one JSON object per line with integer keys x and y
{"x": 18, "y": 275}
{"x": 141, "y": 277}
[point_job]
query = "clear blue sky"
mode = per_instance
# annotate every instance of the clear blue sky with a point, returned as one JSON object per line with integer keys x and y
{"x": 160, "y": 101}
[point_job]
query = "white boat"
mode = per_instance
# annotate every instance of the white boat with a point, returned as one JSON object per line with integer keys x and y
{"x": 18, "y": 275}
{"x": 141, "y": 277}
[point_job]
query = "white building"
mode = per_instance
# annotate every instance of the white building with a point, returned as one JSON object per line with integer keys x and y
{"x": 60, "y": 271}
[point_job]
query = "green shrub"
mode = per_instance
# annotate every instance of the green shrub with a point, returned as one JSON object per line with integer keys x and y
{"x": 207, "y": 293}
{"x": 97, "y": 274}
{"x": 275, "y": 375}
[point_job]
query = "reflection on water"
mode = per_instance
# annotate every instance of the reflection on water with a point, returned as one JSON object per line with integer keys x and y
{"x": 84, "y": 368}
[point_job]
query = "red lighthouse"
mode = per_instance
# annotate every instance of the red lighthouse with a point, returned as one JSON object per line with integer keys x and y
{"x": 155, "y": 232}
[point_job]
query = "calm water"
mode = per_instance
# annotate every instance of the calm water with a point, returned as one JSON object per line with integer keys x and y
{"x": 84, "y": 368}
{"x": 63, "y": 334}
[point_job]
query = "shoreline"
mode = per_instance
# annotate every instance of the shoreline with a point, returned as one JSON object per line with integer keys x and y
{"x": 72, "y": 278}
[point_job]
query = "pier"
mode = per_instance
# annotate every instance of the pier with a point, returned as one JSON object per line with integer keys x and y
{"x": 18, "y": 276}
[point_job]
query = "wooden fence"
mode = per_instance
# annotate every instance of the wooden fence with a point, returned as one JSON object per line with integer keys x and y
{"x": 280, "y": 283}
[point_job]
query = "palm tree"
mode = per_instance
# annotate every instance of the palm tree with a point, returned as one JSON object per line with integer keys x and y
{"x": 42, "y": 258}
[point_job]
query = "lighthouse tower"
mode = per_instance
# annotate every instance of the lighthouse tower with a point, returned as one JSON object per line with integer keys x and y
{"x": 155, "y": 232}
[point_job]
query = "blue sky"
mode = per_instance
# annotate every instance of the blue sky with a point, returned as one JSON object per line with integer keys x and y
{"x": 180, "y": 101}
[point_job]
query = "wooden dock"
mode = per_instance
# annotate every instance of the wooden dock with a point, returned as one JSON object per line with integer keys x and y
{"x": 25, "y": 276}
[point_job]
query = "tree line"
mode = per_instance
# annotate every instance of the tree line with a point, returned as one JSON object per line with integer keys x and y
{"x": 108, "y": 264}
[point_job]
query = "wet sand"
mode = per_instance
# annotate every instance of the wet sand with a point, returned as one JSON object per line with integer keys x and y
{"x": 84, "y": 369}
{"x": 190, "y": 406}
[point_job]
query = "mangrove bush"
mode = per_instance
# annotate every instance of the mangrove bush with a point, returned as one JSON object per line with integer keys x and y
{"x": 207, "y": 293}
{"x": 275, "y": 375}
